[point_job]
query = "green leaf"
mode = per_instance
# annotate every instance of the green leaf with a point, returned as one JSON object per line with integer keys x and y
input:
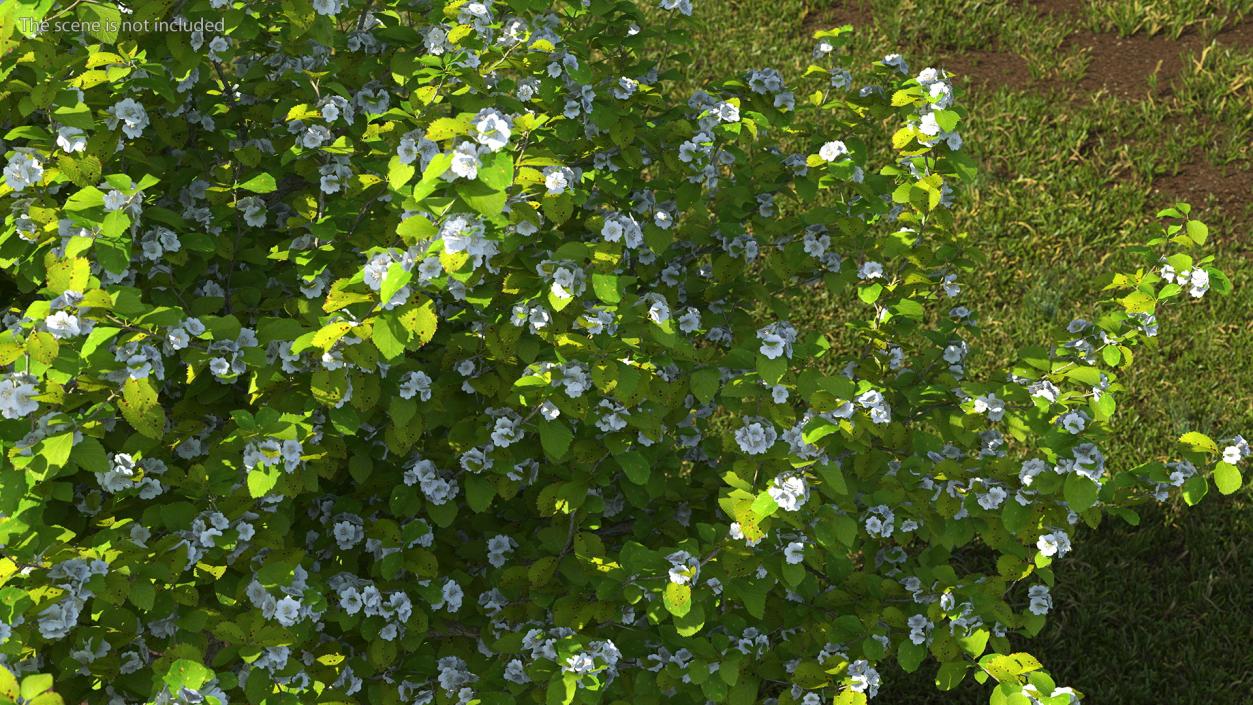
{"x": 11, "y": 347}
{"x": 705, "y": 384}
{"x": 951, "y": 674}
{"x": 1138, "y": 302}
{"x": 101, "y": 21}
{"x": 56, "y": 449}
{"x": 142, "y": 594}
{"x": 558, "y": 208}
{"x": 606, "y": 287}
{"x": 1080, "y": 492}
{"x": 975, "y": 644}
{"x": 677, "y": 598}
{"x": 8, "y": 684}
{"x": 1227, "y": 477}
{"x": 1194, "y": 489}
{"x": 635, "y": 465}
{"x": 1199, "y": 442}
{"x": 395, "y": 280}
{"x": 480, "y": 492}
{"x": 261, "y": 183}
{"x": 764, "y": 505}
{"x": 496, "y": 171}
{"x": 818, "y": 429}
{"x": 420, "y": 320}
{"x": 946, "y": 119}
{"x": 444, "y": 128}
{"x": 185, "y": 673}
{"x": 482, "y": 198}
{"x": 561, "y": 690}
{"x": 43, "y": 347}
{"x": 1111, "y": 355}
{"x": 415, "y": 228}
{"x": 48, "y": 698}
{"x": 389, "y": 336}
{"x": 910, "y": 655}
{"x": 141, "y": 409}
{"x": 328, "y": 334}
{"x": 399, "y": 173}
{"x": 261, "y": 481}
{"x": 771, "y": 370}
{"x": 431, "y": 176}
{"x": 870, "y": 292}
{"x": 1197, "y": 231}
{"x": 691, "y": 623}
{"x": 555, "y": 439}
{"x": 35, "y": 684}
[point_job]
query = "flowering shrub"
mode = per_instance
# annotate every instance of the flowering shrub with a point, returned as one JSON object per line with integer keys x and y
{"x": 408, "y": 352}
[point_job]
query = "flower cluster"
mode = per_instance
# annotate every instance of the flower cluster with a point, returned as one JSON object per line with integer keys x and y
{"x": 446, "y": 352}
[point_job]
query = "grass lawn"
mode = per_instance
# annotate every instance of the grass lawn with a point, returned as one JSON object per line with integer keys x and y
{"x": 1087, "y": 118}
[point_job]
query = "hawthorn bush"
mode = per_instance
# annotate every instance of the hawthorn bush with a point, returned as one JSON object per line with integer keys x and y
{"x": 414, "y": 351}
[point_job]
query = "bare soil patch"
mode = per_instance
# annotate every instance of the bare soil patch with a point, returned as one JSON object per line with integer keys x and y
{"x": 1055, "y": 7}
{"x": 1240, "y": 36}
{"x": 1122, "y": 65}
{"x": 988, "y": 69}
{"x": 825, "y": 14}
{"x": 1225, "y": 189}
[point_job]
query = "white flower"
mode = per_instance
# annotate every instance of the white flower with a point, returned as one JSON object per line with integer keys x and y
{"x": 991, "y": 405}
{"x": 684, "y": 567}
{"x": 23, "y": 170}
{"x": 132, "y": 116}
{"x": 992, "y": 498}
{"x": 451, "y": 596}
{"x": 71, "y": 139}
{"x": 772, "y": 345}
{"x": 727, "y": 112}
{"x": 1232, "y": 455}
{"x": 864, "y": 679}
{"x": 498, "y": 549}
{"x": 465, "y": 161}
{"x": 16, "y": 391}
{"x": 1198, "y": 283}
{"x": 790, "y": 492}
{"x": 314, "y": 136}
{"x": 683, "y": 6}
{"x": 507, "y": 431}
{"x": 1044, "y": 389}
{"x": 580, "y": 663}
{"x": 416, "y": 383}
{"x": 1056, "y": 543}
{"x": 832, "y": 150}
{"x": 557, "y": 179}
{"x": 756, "y": 436}
{"x": 63, "y": 324}
{"x": 794, "y": 552}
{"x": 897, "y": 62}
{"x": 870, "y": 270}
{"x": 776, "y": 339}
{"x": 491, "y": 129}
{"x": 347, "y": 534}
{"x": 254, "y": 210}
{"x": 626, "y": 88}
{"x": 919, "y": 627}
{"x": 690, "y": 320}
{"x": 1074, "y": 421}
{"x": 326, "y": 7}
{"x": 1041, "y": 601}
{"x": 287, "y": 611}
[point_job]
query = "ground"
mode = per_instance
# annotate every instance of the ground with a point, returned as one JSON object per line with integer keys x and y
{"x": 1087, "y": 118}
